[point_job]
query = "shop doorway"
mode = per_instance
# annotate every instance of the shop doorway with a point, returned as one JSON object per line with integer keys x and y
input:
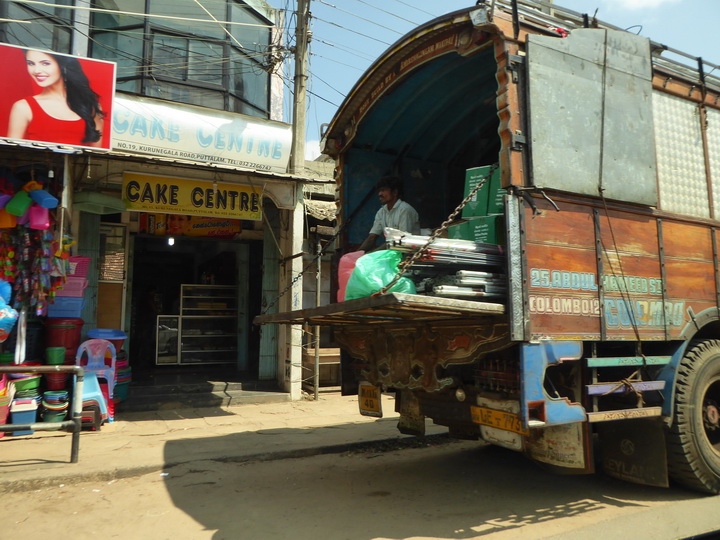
{"x": 192, "y": 305}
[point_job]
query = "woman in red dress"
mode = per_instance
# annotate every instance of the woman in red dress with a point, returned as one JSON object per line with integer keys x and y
{"x": 66, "y": 111}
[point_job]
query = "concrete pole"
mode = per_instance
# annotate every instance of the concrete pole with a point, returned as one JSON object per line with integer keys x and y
{"x": 297, "y": 156}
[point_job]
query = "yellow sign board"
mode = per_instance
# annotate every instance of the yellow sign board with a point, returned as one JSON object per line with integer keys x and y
{"x": 169, "y": 195}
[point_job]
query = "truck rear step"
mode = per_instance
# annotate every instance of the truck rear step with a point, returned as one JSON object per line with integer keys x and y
{"x": 596, "y": 390}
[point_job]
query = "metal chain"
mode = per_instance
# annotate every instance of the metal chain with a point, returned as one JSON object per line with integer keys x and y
{"x": 300, "y": 275}
{"x": 420, "y": 252}
{"x": 342, "y": 227}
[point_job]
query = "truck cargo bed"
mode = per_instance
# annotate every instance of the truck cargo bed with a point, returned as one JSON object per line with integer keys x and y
{"x": 392, "y": 307}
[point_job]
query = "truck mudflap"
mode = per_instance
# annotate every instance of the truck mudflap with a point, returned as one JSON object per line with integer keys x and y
{"x": 635, "y": 451}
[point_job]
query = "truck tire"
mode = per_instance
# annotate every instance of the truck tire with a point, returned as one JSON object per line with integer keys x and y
{"x": 694, "y": 438}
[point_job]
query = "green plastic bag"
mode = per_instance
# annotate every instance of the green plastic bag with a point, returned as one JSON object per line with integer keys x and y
{"x": 375, "y": 270}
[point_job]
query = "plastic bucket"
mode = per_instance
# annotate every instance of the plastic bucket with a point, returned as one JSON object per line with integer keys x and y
{"x": 120, "y": 393}
{"x": 116, "y": 337}
{"x": 50, "y": 415}
{"x": 63, "y": 333}
{"x": 56, "y": 381}
{"x": 27, "y": 383}
{"x": 55, "y": 356}
{"x": 4, "y": 410}
{"x": 34, "y": 341}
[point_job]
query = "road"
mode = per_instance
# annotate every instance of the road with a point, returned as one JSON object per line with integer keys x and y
{"x": 455, "y": 490}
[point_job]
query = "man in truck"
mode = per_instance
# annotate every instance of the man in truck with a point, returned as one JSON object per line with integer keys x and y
{"x": 394, "y": 213}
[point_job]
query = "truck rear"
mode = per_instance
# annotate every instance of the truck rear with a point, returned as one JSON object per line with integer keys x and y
{"x": 569, "y": 310}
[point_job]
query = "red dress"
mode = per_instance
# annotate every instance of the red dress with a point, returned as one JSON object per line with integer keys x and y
{"x": 46, "y": 128}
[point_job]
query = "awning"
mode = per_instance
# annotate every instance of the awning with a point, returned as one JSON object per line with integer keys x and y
{"x": 326, "y": 210}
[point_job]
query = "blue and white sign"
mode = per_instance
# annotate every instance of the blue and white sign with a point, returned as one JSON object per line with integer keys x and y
{"x": 148, "y": 126}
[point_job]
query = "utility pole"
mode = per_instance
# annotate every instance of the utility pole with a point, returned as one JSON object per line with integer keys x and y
{"x": 297, "y": 156}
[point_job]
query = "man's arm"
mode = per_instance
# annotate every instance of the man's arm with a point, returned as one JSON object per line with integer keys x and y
{"x": 368, "y": 243}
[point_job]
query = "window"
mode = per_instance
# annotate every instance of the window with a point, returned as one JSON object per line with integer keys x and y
{"x": 50, "y": 26}
{"x": 174, "y": 54}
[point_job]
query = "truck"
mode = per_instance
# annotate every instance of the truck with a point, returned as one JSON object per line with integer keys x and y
{"x": 567, "y": 290}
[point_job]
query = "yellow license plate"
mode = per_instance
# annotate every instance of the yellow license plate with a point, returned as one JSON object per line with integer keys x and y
{"x": 497, "y": 419}
{"x": 369, "y": 400}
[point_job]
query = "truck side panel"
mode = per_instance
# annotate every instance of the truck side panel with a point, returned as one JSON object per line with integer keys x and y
{"x": 594, "y": 274}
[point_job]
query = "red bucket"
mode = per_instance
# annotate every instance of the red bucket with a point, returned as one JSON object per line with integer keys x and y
{"x": 63, "y": 333}
{"x": 56, "y": 381}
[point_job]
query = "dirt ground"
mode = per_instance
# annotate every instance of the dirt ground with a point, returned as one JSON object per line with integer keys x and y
{"x": 457, "y": 490}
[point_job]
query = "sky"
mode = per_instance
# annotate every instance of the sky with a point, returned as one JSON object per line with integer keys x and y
{"x": 348, "y": 35}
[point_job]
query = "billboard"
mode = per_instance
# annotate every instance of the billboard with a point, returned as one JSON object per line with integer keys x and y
{"x": 170, "y": 195}
{"x": 55, "y": 98}
{"x": 173, "y": 130}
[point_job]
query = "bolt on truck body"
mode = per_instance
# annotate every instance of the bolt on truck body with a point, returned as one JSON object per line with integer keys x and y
{"x": 596, "y": 339}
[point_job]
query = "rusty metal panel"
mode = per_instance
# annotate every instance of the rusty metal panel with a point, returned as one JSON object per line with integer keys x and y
{"x": 590, "y": 112}
{"x": 408, "y": 357}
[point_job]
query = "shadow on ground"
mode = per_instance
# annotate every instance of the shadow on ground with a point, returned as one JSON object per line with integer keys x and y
{"x": 437, "y": 489}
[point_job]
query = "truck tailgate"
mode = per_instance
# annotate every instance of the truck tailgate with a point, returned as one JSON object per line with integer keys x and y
{"x": 388, "y": 308}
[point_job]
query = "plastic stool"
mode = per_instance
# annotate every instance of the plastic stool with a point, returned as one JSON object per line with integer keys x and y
{"x": 93, "y": 395}
{"x": 91, "y": 356}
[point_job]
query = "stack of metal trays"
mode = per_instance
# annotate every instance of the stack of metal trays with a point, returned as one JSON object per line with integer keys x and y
{"x": 446, "y": 251}
{"x": 470, "y": 284}
{"x": 442, "y": 269}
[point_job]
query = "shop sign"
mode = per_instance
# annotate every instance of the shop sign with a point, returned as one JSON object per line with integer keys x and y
{"x": 31, "y": 110}
{"x": 184, "y": 225}
{"x": 169, "y": 195}
{"x": 147, "y": 126}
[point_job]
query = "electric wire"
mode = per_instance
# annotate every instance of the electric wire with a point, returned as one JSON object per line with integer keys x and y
{"x": 414, "y": 7}
{"x": 145, "y": 67}
{"x": 347, "y": 50}
{"x": 388, "y": 12}
{"x": 135, "y": 13}
{"x": 328, "y": 85}
{"x": 352, "y": 31}
{"x": 361, "y": 18}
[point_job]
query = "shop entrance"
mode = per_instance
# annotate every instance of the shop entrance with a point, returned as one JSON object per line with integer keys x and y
{"x": 192, "y": 305}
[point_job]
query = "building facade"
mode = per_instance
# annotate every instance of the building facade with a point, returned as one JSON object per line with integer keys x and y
{"x": 186, "y": 210}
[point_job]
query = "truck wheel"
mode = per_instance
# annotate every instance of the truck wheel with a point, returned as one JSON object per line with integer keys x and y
{"x": 694, "y": 439}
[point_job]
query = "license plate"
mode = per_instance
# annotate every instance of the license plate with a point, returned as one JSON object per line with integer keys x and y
{"x": 369, "y": 400}
{"x": 497, "y": 419}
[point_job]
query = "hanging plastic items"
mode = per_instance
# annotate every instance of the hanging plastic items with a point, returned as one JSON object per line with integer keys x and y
{"x": 7, "y": 220}
{"x": 19, "y": 204}
{"x": 39, "y": 195}
{"x": 39, "y": 217}
{"x": 8, "y": 318}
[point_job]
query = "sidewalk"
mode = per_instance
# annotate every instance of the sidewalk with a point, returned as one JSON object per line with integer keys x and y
{"x": 141, "y": 442}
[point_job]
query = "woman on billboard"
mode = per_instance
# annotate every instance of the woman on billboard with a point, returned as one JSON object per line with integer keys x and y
{"x": 66, "y": 111}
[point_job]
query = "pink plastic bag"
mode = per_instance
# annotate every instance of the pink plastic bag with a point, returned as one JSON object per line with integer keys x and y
{"x": 345, "y": 270}
{"x": 39, "y": 217}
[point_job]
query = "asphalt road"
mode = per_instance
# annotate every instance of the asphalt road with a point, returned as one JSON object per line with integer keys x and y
{"x": 455, "y": 490}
